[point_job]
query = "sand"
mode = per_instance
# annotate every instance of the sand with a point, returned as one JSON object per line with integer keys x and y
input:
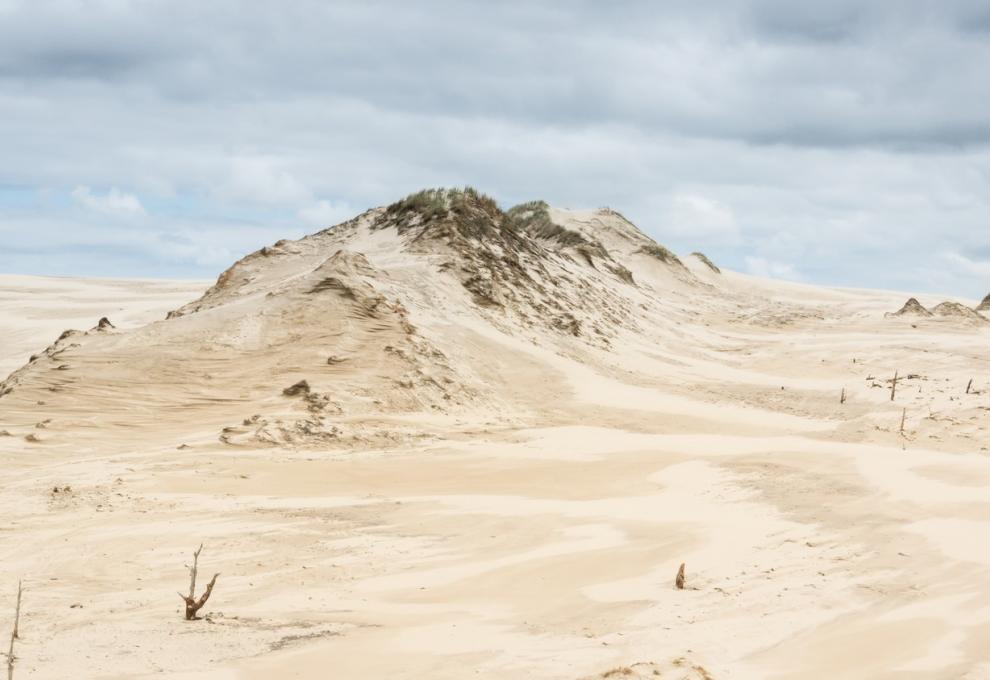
{"x": 529, "y": 531}
{"x": 35, "y": 309}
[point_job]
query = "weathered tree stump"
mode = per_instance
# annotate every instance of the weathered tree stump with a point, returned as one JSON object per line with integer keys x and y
{"x": 192, "y": 604}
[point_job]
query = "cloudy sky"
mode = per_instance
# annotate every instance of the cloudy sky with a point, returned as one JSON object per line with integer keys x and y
{"x": 828, "y": 141}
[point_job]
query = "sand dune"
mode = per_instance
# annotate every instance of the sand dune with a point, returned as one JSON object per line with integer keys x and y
{"x": 514, "y": 429}
{"x": 34, "y": 310}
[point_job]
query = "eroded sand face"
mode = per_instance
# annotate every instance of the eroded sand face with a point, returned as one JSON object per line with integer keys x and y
{"x": 536, "y": 539}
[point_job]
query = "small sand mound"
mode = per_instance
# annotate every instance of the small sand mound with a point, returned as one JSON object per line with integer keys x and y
{"x": 956, "y": 311}
{"x": 911, "y": 308}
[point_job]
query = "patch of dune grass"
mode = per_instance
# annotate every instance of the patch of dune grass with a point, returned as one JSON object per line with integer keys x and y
{"x": 431, "y": 204}
{"x": 707, "y": 262}
{"x": 659, "y": 252}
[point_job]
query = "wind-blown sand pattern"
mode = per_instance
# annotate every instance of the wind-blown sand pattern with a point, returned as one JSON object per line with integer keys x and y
{"x": 513, "y": 430}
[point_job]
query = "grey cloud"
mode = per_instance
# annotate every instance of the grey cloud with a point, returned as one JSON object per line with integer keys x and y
{"x": 807, "y": 74}
{"x": 823, "y": 133}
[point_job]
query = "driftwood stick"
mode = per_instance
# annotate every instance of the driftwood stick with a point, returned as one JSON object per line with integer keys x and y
{"x": 192, "y": 604}
{"x": 14, "y": 634}
{"x": 893, "y": 387}
{"x": 679, "y": 581}
{"x": 842, "y": 397}
{"x": 206, "y": 593}
{"x": 17, "y": 612}
{"x": 969, "y": 385}
{"x": 903, "y": 416}
{"x": 192, "y": 571}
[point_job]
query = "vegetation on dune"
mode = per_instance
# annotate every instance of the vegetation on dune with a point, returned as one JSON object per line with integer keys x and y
{"x": 529, "y": 215}
{"x": 533, "y": 218}
{"x": 458, "y": 214}
{"x": 707, "y": 262}
{"x": 606, "y": 210}
{"x": 470, "y": 212}
{"x": 430, "y": 204}
{"x": 658, "y": 251}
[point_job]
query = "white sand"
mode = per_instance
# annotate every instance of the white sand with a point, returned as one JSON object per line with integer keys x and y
{"x": 34, "y": 310}
{"x": 529, "y": 531}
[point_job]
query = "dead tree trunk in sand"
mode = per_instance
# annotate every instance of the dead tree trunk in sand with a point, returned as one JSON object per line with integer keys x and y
{"x": 969, "y": 385}
{"x": 192, "y": 604}
{"x": 17, "y": 611}
{"x": 893, "y": 387}
{"x": 14, "y": 635}
{"x": 679, "y": 581}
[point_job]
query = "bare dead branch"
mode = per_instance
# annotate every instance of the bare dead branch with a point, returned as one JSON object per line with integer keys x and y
{"x": 206, "y": 593}
{"x": 14, "y": 634}
{"x": 192, "y": 571}
{"x": 893, "y": 387}
{"x": 17, "y": 611}
{"x": 192, "y": 604}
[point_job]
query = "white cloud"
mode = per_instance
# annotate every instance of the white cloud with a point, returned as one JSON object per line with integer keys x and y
{"x": 759, "y": 266}
{"x": 115, "y": 202}
{"x": 259, "y": 179}
{"x": 696, "y": 216}
{"x": 796, "y": 133}
{"x": 967, "y": 266}
{"x": 326, "y": 214}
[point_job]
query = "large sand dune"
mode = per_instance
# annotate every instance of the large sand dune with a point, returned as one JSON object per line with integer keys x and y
{"x": 513, "y": 430}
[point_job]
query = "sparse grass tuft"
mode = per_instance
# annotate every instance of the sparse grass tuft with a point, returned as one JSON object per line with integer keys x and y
{"x": 468, "y": 208}
{"x": 612, "y": 211}
{"x": 658, "y": 251}
{"x": 428, "y": 203}
{"x": 707, "y": 262}
{"x": 533, "y": 218}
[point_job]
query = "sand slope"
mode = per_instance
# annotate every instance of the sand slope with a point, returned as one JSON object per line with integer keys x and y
{"x": 34, "y": 310}
{"x": 508, "y": 445}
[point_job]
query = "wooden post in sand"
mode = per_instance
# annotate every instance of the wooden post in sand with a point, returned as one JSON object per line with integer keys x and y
{"x": 14, "y": 635}
{"x": 969, "y": 385}
{"x": 679, "y": 581}
{"x": 192, "y": 604}
{"x": 903, "y": 417}
{"x": 842, "y": 397}
{"x": 893, "y": 387}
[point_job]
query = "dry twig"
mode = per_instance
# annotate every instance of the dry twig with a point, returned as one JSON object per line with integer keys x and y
{"x": 192, "y": 604}
{"x": 14, "y": 634}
